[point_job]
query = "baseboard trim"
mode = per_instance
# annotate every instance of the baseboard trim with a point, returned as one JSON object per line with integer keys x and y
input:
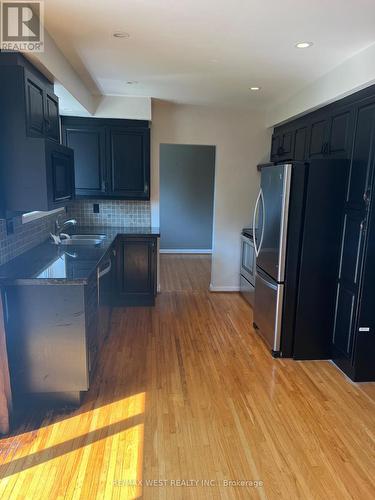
{"x": 186, "y": 250}
{"x": 224, "y": 288}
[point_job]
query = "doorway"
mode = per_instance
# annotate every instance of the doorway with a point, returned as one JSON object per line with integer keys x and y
{"x": 187, "y": 184}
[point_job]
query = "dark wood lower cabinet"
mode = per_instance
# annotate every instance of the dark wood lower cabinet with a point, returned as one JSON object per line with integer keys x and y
{"x": 136, "y": 270}
{"x": 53, "y": 345}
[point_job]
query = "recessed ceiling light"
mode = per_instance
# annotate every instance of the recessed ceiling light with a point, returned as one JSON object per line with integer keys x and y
{"x": 303, "y": 45}
{"x": 121, "y": 34}
{"x": 255, "y": 88}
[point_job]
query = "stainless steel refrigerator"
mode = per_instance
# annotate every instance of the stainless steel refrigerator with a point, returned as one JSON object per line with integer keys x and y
{"x": 271, "y": 219}
{"x": 299, "y": 220}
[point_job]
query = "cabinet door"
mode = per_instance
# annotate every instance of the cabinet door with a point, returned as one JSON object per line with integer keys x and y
{"x": 354, "y": 236}
{"x": 341, "y": 134}
{"x": 89, "y": 148}
{"x": 275, "y": 147}
{"x": 130, "y": 163}
{"x": 34, "y": 108}
{"x": 300, "y": 144}
{"x": 287, "y": 143}
{"x": 136, "y": 272}
{"x": 318, "y": 143}
{"x": 363, "y": 158}
{"x": 348, "y": 282}
{"x": 52, "y": 125}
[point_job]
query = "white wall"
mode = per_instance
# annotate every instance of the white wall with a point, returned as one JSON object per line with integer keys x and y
{"x": 242, "y": 141}
{"x": 133, "y": 108}
{"x": 55, "y": 66}
{"x": 354, "y": 74}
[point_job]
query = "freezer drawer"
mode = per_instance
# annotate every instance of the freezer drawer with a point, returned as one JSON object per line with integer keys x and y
{"x": 268, "y": 309}
{"x": 247, "y": 291}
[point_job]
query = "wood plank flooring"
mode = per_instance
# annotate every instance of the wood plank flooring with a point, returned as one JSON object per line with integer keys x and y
{"x": 188, "y": 391}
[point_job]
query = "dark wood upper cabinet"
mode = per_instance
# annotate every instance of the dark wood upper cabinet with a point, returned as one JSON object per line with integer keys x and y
{"x": 52, "y": 119}
{"x": 36, "y": 171}
{"x": 300, "y": 140}
{"x": 275, "y": 147}
{"x": 89, "y": 147}
{"x": 359, "y": 190}
{"x": 42, "y": 109}
{"x": 34, "y": 108}
{"x": 341, "y": 134}
{"x": 282, "y": 146}
{"x": 318, "y": 142}
{"x": 130, "y": 163}
{"x": 112, "y": 157}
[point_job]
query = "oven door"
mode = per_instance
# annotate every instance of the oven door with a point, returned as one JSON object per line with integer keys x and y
{"x": 248, "y": 259}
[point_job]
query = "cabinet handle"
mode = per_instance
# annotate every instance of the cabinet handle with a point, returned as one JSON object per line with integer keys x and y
{"x": 367, "y": 197}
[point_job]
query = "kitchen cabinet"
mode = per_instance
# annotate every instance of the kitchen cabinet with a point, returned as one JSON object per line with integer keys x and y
{"x": 41, "y": 108}
{"x": 36, "y": 171}
{"x": 323, "y": 134}
{"x": 136, "y": 270}
{"x": 130, "y": 164}
{"x": 53, "y": 346}
{"x": 52, "y": 117}
{"x": 89, "y": 145}
{"x": 345, "y": 130}
{"x": 112, "y": 157}
{"x": 50, "y": 345}
{"x": 356, "y": 222}
{"x": 341, "y": 130}
{"x": 275, "y": 147}
{"x": 318, "y": 139}
{"x": 282, "y": 146}
{"x": 300, "y": 140}
{"x": 34, "y": 108}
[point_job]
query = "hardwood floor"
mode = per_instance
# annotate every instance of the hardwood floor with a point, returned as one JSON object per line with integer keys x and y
{"x": 185, "y": 273}
{"x": 188, "y": 391}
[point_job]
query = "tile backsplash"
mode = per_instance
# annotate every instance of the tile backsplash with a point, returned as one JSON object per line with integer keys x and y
{"x": 25, "y": 236}
{"x": 111, "y": 213}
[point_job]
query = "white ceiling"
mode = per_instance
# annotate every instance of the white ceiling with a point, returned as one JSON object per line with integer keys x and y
{"x": 208, "y": 51}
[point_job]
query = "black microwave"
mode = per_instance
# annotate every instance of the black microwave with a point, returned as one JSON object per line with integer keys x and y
{"x": 60, "y": 174}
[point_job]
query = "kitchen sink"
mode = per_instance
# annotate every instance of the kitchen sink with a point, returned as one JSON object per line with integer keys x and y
{"x": 81, "y": 241}
{"x": 88, "y": 236}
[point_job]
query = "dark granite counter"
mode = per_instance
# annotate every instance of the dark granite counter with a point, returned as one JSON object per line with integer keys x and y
{"x": 58, "y": 264}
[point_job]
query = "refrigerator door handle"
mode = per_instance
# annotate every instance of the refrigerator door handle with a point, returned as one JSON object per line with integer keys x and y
{"x": 254, "y": 220}
{"x": 263, "y": 220}
{"x": 260, "y": 198}
{"x": 267, "y": 281}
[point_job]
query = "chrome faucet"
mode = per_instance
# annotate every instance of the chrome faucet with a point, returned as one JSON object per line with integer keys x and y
{"x": 59, "y": 228}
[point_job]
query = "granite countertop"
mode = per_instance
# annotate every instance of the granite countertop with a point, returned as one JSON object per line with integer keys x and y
{"x": 57, "y": 264}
